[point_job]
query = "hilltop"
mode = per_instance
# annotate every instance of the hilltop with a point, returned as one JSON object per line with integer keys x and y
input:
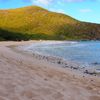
{"x": 34, "y": 22}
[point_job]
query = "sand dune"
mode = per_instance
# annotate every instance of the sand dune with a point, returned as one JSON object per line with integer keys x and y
{"x": 23, "y": 77}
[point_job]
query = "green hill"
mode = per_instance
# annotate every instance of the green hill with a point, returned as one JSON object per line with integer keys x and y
{"x": 34, "y": 22}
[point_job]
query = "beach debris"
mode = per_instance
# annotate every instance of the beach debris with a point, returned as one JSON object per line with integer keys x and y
{"x": 91, "y": 72}
{"x": 65, "y": 64}
{"x": 96, "y": 63}
{"x": 59, "y": 62}
{"x": 75, "y": 67}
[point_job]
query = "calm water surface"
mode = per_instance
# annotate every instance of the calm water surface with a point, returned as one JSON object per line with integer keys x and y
{"x": 85, "y": 52}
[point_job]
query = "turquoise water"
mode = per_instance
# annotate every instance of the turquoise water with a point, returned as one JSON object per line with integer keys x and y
{"x": 85, "y": 52}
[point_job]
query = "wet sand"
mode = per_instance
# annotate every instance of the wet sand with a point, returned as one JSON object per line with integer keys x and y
{"x": 23, "y": 77}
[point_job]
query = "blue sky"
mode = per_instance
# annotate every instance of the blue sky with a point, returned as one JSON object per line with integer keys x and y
{"x": 84, "y": 10}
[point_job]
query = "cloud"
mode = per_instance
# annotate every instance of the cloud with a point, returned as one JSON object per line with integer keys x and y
{"x": 74, "y": 0}
{"x": 80, "y": 0}
{"x": 58, "y": 10}
{"x": 85, "y": 10}
{"x": 44, "y": 2}
{"x": 48, "y": 2}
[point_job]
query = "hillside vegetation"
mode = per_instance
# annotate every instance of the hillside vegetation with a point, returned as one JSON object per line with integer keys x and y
{"x": 34, "y": 22}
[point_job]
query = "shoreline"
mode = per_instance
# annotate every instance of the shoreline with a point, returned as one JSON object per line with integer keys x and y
{"x": 24, "y": 77}
{"x": 58, "y": 60}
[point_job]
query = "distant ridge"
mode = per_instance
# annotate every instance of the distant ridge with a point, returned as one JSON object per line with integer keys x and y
{"x": 34, "y": 22}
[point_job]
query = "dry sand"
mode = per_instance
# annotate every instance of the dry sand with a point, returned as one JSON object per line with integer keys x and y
{"x": 23, "y": 77}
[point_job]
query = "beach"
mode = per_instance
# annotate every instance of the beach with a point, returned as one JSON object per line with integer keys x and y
{"x": 23, "y": 77}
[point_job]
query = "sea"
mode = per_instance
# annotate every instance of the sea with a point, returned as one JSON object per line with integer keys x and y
{"x": 86, "y": 53}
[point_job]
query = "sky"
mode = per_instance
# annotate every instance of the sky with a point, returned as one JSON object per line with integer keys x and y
{"x": 83, "y": 10}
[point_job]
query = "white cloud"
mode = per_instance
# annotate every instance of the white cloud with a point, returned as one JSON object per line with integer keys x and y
{"x": 44, "y": 2}
{"x": 55, "y": 2}
{"x": 85, "y": 10}
{"x": 74, "y": 0}
{"x": 80, "y": 0}
{"x": 58, "y": 10}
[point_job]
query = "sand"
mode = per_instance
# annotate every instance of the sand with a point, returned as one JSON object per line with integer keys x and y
{"x": 23, "y": 77}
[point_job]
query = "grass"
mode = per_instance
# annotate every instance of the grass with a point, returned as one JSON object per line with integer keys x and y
{"x": 34, "y": 22}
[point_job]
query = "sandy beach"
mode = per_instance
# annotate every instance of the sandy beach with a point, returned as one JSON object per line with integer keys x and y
{"x": 23, "y": 77}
